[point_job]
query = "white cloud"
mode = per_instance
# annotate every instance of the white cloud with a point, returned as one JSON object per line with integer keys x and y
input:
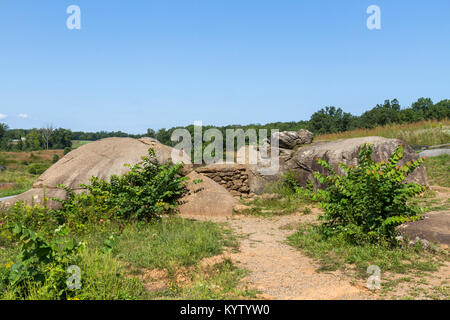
{"x": 23, "y": 115}
{"x": 3, "y": 116}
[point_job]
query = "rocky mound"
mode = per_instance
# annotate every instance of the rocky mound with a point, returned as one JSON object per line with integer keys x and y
{"x": 101, "y": 158}
{"x": 206, "y": 198}
{"x": 304, "y": 160}
{"x": 107, "y": 157}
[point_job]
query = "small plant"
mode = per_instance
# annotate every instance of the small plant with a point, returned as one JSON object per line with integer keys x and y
{"x": 370, "y": 199}
{"x": 55, "y": 158}
{"x": 40, "y": 261}
{"x": 289, "y": 180}
{"x": 37, "y": 168}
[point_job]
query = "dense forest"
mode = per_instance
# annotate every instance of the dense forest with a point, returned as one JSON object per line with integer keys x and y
{"x": 326, "y": 120}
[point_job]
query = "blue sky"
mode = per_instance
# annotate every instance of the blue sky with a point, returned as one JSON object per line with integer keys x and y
{"x": 151, "y": 64}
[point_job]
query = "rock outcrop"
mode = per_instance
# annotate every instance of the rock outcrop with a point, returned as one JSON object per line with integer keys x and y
{"x": 304, "y": 160}
{"x": 102, "y": 159}
{"x": 206, "y": 198}
{"x": 433, "y": 227}
{"x": 291, "y": 139}
{"x": 214, "y": 196}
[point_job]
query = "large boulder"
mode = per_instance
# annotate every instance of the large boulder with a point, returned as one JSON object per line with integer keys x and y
{"x": 206, "y": 198}
{"x": 433, "y": 227}
{"x": 291, "y": 139}
{"x": 262, "y": 170}
{"x": 102, "y": 159}
{"x": 304, "y": 160}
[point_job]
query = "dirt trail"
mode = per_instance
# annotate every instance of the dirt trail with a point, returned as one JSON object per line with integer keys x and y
{"x": 280, "y": 271}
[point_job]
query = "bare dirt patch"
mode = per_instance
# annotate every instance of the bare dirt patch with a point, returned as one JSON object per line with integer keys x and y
{"x": 278, "y": 270}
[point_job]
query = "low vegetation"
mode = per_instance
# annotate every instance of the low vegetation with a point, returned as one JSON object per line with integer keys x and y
{"x": 367, "y": 202}
{"x": 22, "y": 169}
{"x": 95, "y": 236}
{"x": 430, "y": 132}
{"x": 438, "y": 169}
{"x": 361, "y": 211}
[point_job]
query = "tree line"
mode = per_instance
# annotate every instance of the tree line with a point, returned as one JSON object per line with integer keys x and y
{"x": 327, "y": 120}
{"x": 332, "y": 120}
{"x": 34, "y": 139}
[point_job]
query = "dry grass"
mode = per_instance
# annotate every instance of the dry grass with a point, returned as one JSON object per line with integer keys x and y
{"x": 430, "y": 132}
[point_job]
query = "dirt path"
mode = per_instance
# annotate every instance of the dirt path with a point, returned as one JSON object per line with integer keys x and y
{"x": 280, "y": 271}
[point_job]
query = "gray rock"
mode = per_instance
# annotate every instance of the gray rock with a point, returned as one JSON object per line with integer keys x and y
{"x": 434, "y": 152}
{"x": 433, "y": 227}
{"x": 291, "y": 139}
{"x": 304, "y": 160}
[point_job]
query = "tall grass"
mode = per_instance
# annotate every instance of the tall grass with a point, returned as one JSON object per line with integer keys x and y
{"x": 20, "y": 181}
{"x": 169, "y": 243}
{"x": 438, "y": 170}
{"x": 427, "y": 132}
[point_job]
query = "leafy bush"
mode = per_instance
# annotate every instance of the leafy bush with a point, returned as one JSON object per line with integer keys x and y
{"x": 289, "y": 180}
{"x": 370, "y": 199}
{"x": 67, "y": 150}
{"x": 37, "y": 168}
{"x": 145, "y": 192}
{"x": 55, "y": 158}
{"x": 40, "y": 262}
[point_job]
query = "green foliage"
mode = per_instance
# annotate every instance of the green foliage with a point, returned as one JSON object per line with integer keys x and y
{"x": 438, "y": 169}
{"x": 37, "y": 168}
{"x": 67, "y": 150}
{"x": 40, "y": 261}
{"x": 148, "y": 190}
{"x": 169, "y": 243}
{"x": 336, "y": 253}
{"x": 370, "y": 199}
{"x": 55, "y": 158}
{"x": 289, "y": 180}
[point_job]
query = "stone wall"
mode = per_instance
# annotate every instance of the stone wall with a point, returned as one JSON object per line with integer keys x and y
{"x": 232, "y": 177}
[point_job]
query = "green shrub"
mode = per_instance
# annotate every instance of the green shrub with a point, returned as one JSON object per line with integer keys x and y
{"x": 289, "y": 180}
{"x": 145, "y": 192}
{"x": 67, "y": 150}
{"x": 40, "y": 262}
{"x": 55, "y": 158}
{"x": 370, "y": 199}
{"x": 37, "y": 168}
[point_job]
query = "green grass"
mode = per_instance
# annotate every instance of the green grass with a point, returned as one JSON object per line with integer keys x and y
{"x": 337, "y": 254}
{"x": 21, "y": 180}
{"x": 78, "y": 143}
{"x": 283, "y": 201}
{"x": 22, "y": 169}
{"x": 221, "y": 281}
{"x": 103, "y": 278}
{"x": 438, "y": 170}
{"x": 429, "y": 202}
{"x": 170, "y": 243}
